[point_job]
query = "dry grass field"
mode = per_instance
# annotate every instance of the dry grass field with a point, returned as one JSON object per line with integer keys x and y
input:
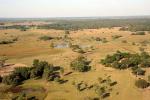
{"x": 30, "y": 47}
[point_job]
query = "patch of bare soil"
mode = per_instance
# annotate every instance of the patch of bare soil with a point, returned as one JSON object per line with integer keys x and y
{"x": 19, "y": 89}
{"x": 146, "y": 94}
{"x": 8, "y": 68}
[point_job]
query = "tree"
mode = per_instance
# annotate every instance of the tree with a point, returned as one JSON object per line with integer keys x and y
{"x": 48, "y": 70}
{"x": 80, "y": 64}
{"x": 24, "y": 72}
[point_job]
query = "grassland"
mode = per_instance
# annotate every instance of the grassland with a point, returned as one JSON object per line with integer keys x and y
{"x": 29, "y": 47}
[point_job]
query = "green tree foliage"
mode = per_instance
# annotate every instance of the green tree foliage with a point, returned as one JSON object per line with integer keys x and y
{"x": 48, "y": 71}
{"x": 80, "y": 64}
{"x": 19, "y": 74}
{"x": 39, "y": 69}
{"x": 142, "y": 24}
{"x": 120, "y": 60}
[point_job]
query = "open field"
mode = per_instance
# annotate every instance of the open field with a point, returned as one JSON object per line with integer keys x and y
{"x": 29, "y": 47}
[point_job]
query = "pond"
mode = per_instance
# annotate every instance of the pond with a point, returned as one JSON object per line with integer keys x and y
{"x": 62, "y": 45}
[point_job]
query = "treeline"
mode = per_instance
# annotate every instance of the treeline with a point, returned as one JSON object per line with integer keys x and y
{"x": 131, "y": 24}
{"x": 126, "y": 24}
{"x": 20, "y": 27}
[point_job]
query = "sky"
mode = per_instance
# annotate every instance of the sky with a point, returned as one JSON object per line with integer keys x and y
{"x": 73, "y": 8}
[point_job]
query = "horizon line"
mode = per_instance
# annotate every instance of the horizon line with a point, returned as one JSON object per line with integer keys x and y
{"x": 75, "y": 17}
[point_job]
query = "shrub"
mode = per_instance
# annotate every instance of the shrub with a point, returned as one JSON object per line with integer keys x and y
{"x": 138, "y": 71}
{"x": 116, "y": 36}
{"x": 104, "y": 40}
{"x": 148, "y": 78}
{"x": 124, "y": 41}
{"x": 6, "y": 42}
{"x": 1, "y": 79}
{"x": 139, "y": 33}
{"x": 67, "y": 32}
{"x": 2, "y": 61}
{"x": 45, "y": 38}
{"x": 61, "y": 70}
{"x": 133, "y": 43}
{"x": 12, "y": 79}
{"x": 80, "y": 64}
{"x": 141, "y": 83}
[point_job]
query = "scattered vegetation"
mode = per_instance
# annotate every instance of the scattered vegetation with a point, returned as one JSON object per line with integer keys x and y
{"x": 104, "y": 87}
{"x": 8, "y": 41}
{"x": 77, "y": 48}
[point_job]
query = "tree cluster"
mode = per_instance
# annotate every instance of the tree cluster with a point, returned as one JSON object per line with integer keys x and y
{"x": 39, "y": 69}
{"x": 121, "y": 60}
{"x": 80, "y": 64}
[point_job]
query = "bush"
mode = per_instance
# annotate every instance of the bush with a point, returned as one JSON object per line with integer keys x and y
{"x": 12, "y": 79}
{"x": 148, "y": 78}
{"x": 124, "y": 41}
{"x": 1, "y": 79}
{"x": 67, "y": 32}
{"x": 141, "y": 83}
{"x": 138, "y": 71}
{"x": 116, "y": 36}
{"x": 139, "y": 33}
{"x": 45, "y": 38}
{"x": 6, "y": 42}
{"x": 80, "y": 64}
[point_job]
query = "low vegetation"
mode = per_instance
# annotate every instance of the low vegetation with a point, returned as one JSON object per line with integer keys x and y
{"x": 139, "y": 33}
{"x": 116, "y": 37}
{"x": 45, "y": 38}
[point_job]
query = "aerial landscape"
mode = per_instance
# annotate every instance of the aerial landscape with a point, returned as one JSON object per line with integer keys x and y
{"x": 67, "y": 52}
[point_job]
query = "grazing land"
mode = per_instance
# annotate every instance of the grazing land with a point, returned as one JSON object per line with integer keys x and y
{"x": 77, "y": 47}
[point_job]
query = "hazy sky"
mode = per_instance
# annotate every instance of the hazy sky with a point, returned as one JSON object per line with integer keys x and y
{"x": 73, "y": 8}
